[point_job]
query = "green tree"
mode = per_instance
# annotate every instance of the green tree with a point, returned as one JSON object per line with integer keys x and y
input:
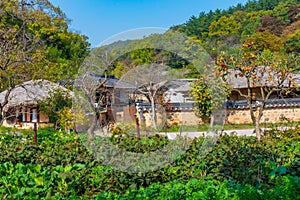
{"x": 281, "y": 11}
{"x": 35, "y": 43}
{"x": 265, "y": 40}
{"x": 224, "y": 26}
{"x": 66, "y": 118}
{"x": 119, "y": 70}
{"x": 19, "y": 47}
{"x": 56, "y": 106}
{"x": 292, "y": 44}
{"x": 201, "y": 94}
{"x": 209, "y": 94}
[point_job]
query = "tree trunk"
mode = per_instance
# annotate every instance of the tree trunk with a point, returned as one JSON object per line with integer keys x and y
{"x": 212, "y": 121}
{"x": 1, "y": 118}
{"x": 56, "y": 125}
{"x": 91, "y": 130}
{"x": 256, "y": 121}
{"x": 257, "y": 129}
{"x": 153, "y": 115}
{"x": 138, "y": 133}
{"x": 260, "y": 114}
{"x": 3, "y": 104}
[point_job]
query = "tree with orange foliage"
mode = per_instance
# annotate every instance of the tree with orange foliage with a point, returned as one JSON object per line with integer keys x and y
{"x": 265, "y": 71}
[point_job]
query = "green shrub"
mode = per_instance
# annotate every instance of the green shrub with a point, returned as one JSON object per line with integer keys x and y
{"x": 237, "y": 168}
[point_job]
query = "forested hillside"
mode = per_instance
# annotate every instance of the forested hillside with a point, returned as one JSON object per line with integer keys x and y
{"x": 269, "y": 24}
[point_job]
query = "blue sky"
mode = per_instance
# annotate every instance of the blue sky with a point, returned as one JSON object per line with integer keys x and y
{"x": 102, "y": 19}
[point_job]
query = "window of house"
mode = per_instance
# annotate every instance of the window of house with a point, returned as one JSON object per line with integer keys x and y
{"x": 123, "y": 97}
{"x": 33, "y": 115}
{"x": 23, "y": 114}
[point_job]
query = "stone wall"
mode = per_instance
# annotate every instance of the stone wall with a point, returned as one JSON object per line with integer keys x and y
{"x": 270, "y": 115}
{"x": 237, "y": 116}
{"x": 187, "y": 118}
{"x": 174, "y": 118}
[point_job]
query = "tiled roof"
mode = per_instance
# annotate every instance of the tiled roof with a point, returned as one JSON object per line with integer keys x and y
{"x": 230, "y": 104}
{"x": 237, "y": 82}
{"x": 111, "y": 81}
{"x": 271, "y": 103}
{"x": 189, "y": 106}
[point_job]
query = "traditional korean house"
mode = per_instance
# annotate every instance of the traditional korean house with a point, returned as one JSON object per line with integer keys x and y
{"x": 21, "y": 109}
{"x": 281, "y": 105}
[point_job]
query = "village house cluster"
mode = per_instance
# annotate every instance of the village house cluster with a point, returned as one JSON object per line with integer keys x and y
{"x": 120, "y": 101}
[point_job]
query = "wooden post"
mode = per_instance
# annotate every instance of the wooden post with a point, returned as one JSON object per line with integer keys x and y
{"x": 34, "y": 132}
{"x": 137, "y": 127}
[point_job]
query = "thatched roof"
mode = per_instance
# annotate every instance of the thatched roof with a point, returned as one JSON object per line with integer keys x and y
{"x": 30, "y": 92}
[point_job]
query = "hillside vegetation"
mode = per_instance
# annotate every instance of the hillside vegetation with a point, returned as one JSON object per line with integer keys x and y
{"x": 270, "y": 24}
